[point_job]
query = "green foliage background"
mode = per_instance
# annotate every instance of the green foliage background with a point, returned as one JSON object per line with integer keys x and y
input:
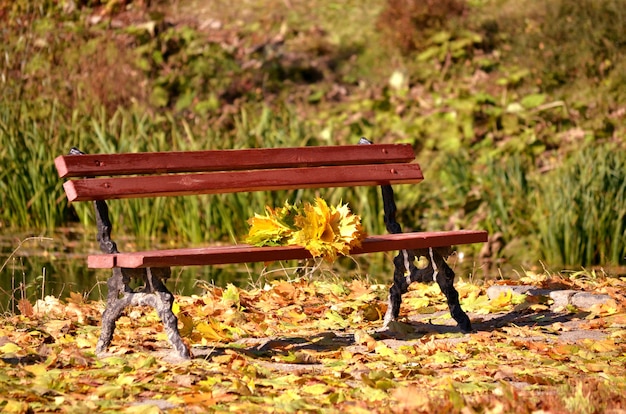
{"x": 515, "y": 108}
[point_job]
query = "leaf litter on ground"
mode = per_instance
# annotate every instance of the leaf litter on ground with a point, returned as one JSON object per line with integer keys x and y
{"x": 309, "y": 345}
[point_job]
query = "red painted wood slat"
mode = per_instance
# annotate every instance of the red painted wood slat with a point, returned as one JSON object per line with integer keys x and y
{"x": 94, "y": 165}
{"x": 244, "y": 253}
{"x": 241, "y": 181}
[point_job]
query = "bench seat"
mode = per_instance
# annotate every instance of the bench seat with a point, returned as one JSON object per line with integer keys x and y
{"x": 244, "y": 253}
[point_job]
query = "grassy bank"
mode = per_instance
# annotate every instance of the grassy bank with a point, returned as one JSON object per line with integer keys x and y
{"x": 513, "y": 135}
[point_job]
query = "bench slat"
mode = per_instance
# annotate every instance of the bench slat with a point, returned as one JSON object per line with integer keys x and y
{"x": 93, "y": 165}
{"x": 241, "y": 181}
{"x": 244, "y": 253}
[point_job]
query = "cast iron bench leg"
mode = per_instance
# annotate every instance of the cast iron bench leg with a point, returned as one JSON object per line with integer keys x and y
{"x": 406, "y": 272}
{"x": 121, "y": 295}
{"x": 154, "y": 294}
{"x": 114, "y": 308}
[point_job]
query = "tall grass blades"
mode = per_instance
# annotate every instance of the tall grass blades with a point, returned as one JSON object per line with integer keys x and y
{"x": 581, "y": 209}
{"x": 29, "y": 188}
{"x": 508, "y": 193}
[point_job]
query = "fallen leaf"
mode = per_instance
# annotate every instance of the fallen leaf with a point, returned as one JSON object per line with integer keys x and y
{"x": 25, "y": 307}
{"x": 315, "y": 389}
{"x": 411, "y": 399}
{"x": 10, "y": 348}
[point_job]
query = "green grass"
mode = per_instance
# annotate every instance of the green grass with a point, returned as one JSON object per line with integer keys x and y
{"x": 30, "y": 146}
{"x": 573, "y": 214}
{"x": 27, "y": 183}
{"x": 581, "y": 208}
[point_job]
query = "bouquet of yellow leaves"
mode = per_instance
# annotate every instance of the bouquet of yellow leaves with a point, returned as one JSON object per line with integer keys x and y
{"x": 325, "y": 231}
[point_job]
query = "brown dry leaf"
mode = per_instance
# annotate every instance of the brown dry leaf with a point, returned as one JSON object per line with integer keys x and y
{"x": 558, "y": 326}
{"x": 76, "y": 298}
{"x": 57, "y": 328}
{"x": 535, "y": 378}
{"x": 520, "y": 331}
{"x": 77, "y": 311}
{"x": 205, "y": 399}
{"x": 293, "y": 315}
{"x": 285, "y": 289}
{"x": 561, "y": 352}
{"x": 314, "y": 308}
{"x": 410, "y": 399}
{"x": 535, "y": 346}
{"x": 359, "y": 288}
{"x": 25, "y": 307}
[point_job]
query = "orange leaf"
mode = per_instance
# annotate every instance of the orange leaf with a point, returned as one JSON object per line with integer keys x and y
{"x": 25, "y": 307}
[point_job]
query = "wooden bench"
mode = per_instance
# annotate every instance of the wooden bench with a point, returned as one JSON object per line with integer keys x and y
{"x": 104, "y": 177}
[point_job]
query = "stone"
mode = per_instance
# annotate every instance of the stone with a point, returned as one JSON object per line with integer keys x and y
{"x": 586, "y": 300}
{"x": 495, "y": 291}
{"x": 561, "y": 298}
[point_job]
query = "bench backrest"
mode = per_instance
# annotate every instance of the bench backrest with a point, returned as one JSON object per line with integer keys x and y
{"x": 114, "y": 176}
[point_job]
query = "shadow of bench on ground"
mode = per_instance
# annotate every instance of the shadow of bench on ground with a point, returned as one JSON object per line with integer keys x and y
{"x": 287, "y": 352}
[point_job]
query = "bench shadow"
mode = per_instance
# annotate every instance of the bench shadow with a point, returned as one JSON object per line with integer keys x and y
{"x": 545, "y": 318}
{"x": 284, "y": 347}
{"x": 483, "y": 323}
{"x": 23, "y": 360}
{"x": 292, "y": 350}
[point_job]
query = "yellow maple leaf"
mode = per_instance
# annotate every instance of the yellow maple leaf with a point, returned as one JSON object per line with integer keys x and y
{"x": 327, "y": 231}
{"x": 9, "y": 348}
{"x": 348, "y": 225}
{"x": 273, "y": 228}
{"x": 212, "y": 331}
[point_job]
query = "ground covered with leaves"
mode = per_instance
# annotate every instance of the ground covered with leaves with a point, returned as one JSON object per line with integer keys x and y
{"x": 310, "y": 345}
